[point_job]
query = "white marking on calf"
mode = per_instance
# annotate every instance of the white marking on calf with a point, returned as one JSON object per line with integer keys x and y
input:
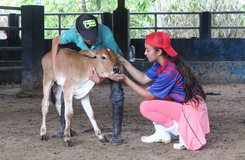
{"x": 83, "y": 89}
{"x": 89, "y": 111}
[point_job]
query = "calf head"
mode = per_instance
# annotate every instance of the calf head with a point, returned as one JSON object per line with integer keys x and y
{"x": 104, "y": 61}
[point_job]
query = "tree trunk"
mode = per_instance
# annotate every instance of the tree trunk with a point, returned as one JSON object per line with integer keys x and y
{"x": 98, "y": 4}
{"x": 83, "y": 6}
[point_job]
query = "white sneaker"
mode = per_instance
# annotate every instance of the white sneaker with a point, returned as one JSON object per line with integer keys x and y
{"x": 155, "y": 138}
{"x": 160, "y": 135}
{"x": 180, "y": 145}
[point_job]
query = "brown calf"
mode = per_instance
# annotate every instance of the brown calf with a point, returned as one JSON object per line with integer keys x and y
{"x": 69, "y": 69}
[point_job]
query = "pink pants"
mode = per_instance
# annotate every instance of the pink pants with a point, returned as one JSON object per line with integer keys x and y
{"x": 161, "y": 111}
{"x": 193, "y": 122}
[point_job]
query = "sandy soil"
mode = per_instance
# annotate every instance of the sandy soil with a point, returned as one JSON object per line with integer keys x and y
{"x": 20, "y": 120}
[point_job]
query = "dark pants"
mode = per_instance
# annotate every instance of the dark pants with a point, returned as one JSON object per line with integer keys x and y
{"x": 117, "y": 101}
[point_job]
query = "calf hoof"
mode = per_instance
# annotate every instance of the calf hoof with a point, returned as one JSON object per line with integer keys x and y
{"x": 60, "y": 133}
{"x": 104, "y": 140}
{"x": 44, "y": 138}
{"x": 73, "y": 133}
{"x": 68, "y": 144}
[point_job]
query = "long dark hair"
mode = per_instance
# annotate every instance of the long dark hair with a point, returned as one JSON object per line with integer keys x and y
{"x": 192, "y": 86}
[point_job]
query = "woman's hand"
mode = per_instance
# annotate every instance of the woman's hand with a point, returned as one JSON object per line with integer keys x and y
{"x": 121, "y": 59}
{"x": 93, "y": 75}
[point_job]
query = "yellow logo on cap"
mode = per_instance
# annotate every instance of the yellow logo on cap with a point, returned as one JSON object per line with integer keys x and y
{"x": 89, "y": 23}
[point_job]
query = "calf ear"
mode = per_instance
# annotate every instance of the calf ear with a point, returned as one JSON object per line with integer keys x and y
{"x": 113, "y": 54}
{"x": 115, "y": 58}
{"x": 88, "y": 53}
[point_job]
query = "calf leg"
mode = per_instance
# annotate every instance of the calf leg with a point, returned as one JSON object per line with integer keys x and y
{"x": 58, "y": 98}
{"x": 68, "y": 117}
{"x": 47, "y": 84}
{"x": 60, "y": 106}
{"x": 89, "y": 111}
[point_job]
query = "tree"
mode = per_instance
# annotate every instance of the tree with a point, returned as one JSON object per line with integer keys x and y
{"x": 144, "y": 20}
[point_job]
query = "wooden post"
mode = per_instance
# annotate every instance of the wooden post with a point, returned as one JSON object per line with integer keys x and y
{"x": 13, "y": 21}
{"x": 107, "y": 19}
{"x": 205, "y": 25}
{"x": 32, "y": 21}
{"x": 121, "y": 27}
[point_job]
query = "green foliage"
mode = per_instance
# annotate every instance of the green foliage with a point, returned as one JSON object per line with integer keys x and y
{"x": 144, "y": 20}
{"x": 219, "y": 20}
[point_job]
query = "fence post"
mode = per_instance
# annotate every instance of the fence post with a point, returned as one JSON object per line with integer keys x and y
{"x": 121, "y": 27}
{"x": 13, "y": 21}
{"x": 107, "y": 19}
{"x": 32, "y": 21}
{"x": 205, "y": 25}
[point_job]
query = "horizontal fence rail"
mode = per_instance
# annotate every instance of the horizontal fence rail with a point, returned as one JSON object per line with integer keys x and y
{"x": 9, "y": 8}
{"x": 156, "y": 14}
{"x": 10, "y": 28}
{"x": 59, "y": 16}
{"x": 11, "y": 48}
{"x": 11, "y": 68}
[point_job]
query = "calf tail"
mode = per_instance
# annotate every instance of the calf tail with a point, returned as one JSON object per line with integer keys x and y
{"x": 54, "y": 51}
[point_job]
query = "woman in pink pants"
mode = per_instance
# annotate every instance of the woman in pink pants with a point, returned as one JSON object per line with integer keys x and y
{"x": 175, "y": 101}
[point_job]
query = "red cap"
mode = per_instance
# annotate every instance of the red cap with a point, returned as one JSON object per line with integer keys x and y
{"x": 161, "y": 40}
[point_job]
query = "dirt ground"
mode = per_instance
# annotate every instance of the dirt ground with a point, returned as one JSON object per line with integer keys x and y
{"x": 20, "y": 120}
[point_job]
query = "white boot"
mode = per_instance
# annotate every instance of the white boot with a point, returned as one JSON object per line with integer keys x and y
{"x": 160, "y": 135}
{"x": 174, "y": 129}
{"x": 181, "y": 145}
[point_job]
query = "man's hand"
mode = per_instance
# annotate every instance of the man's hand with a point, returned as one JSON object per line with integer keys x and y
{"x": 117, "y": 77}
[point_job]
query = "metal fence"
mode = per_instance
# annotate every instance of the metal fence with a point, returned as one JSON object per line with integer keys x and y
{"x": 23, "y": 47}
{"x": 190, "y": 24}
{"x": 179, "y": 24}
{"x": 11, "y": 31}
